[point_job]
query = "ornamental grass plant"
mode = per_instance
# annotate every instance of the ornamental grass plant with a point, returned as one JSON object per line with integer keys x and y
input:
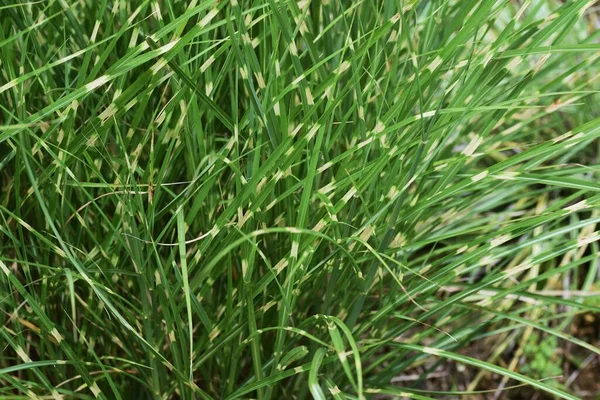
{"x": 280, "y": 199}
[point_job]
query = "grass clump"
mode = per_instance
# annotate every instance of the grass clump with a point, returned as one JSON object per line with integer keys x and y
{"x": 275, "y": 199}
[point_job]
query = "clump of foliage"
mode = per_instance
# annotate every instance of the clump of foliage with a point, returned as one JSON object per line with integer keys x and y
{"x": 293, "y": 199}
{"x": 541, "y": 359}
